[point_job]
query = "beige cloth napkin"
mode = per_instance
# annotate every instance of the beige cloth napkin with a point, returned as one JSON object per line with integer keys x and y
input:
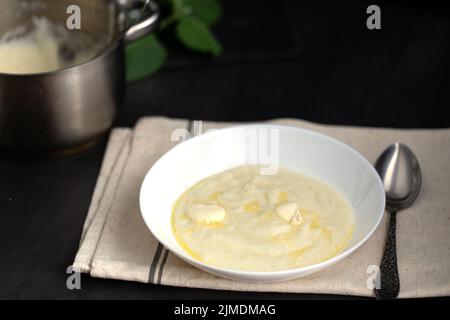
{"x": 116, "y": 244}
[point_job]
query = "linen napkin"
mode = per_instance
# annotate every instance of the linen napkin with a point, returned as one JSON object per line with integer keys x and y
{"x": 116, "y": 244}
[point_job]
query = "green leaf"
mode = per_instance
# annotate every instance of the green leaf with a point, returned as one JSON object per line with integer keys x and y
{"x": 144, "y": 57}
{"x": 196, "y": 35}
{"x": 209, "y": 11}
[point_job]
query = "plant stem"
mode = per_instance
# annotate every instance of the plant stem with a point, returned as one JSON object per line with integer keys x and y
{"x": 178, "y": 11}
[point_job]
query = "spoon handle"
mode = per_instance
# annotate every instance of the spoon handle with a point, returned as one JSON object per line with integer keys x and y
{"x": 389, "y": 279}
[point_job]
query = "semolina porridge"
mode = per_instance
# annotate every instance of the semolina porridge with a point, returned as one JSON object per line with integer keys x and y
{"x": 239, "y": 219}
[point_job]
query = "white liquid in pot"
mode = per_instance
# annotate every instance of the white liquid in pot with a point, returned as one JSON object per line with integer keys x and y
{"x": 39, "y": 50}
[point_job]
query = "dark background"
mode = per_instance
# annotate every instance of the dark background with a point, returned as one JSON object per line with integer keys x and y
{"x": 312, "y": 60}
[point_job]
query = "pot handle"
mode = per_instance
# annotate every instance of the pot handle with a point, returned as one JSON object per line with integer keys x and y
{"x": 143, "y": 27}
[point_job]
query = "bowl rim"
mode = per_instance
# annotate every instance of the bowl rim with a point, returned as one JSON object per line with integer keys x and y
{"x": 264, "y": 274}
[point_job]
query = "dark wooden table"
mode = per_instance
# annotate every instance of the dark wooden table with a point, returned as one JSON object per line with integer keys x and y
{"x": 328, "y": 68}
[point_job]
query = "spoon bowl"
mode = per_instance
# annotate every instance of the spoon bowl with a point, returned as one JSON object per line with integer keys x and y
{"x": 400, "y": 172}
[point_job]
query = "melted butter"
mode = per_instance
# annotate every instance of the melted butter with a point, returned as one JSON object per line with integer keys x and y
{"x": 282, "y": 196}
{"x": 212, "y": 224}
{"x": 252, "y": 207}
{"x": 189, "y": 250}
{"x": 214, "y": 197}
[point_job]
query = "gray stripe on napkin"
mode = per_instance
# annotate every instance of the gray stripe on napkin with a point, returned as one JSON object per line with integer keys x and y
{"x": 154, "y": 265}
{"x": 163, "y": 263}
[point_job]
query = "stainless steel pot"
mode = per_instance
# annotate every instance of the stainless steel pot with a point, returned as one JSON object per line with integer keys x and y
{"x": 68, "y": 108}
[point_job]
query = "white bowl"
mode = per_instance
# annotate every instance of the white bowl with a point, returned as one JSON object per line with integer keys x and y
{"x": 301, "y": 150}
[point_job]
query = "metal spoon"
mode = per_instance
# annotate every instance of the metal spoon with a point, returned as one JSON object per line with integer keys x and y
{"x": 401, "y": 175}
